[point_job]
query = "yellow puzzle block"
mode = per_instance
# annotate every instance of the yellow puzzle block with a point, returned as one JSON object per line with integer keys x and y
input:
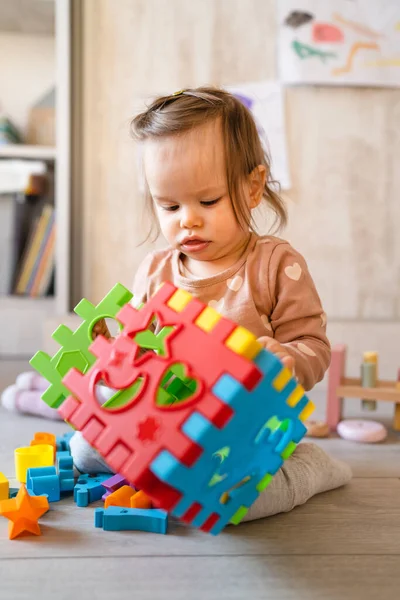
{"x": 307, "y": 411}
{"x": 4, "y": 487}
{"x": 208, "y": 319}
{"x": 295, "y": 396}
{"x": 282, "y": 379}
{"x": 244, "y": 343}
{"x": 28, "y": 457}
{"x": 179, "y": 300}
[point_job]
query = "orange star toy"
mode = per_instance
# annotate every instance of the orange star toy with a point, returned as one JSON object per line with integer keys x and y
{"x": 23, "y": 511}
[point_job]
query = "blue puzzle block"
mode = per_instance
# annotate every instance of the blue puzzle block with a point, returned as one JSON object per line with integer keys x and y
{"x": 116, "y": 518}
{"x": 63, "y": 454}
{"x": 89, "y": 488}
{"x": 31, "y": 493}
{"x": 12, "y": 492}
{"x": 263, "y": 430}
{"x": 62, "y": 441}
{"x": 65, "y": 471}
{"x": 43, "y": 481}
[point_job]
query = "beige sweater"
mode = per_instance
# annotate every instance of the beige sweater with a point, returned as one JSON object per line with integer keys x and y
{"x": 269, "y": 291}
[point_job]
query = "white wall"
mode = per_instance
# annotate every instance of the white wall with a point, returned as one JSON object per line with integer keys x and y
{"x": 27, "y": 72}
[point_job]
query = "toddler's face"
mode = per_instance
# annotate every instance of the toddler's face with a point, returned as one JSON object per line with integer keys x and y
{"x": 187, "y": 180}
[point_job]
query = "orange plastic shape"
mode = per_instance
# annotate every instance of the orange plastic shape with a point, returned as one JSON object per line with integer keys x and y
{"x": 23, "y": 512}
{"x": 121, "y": 497}
{"x": 141, "y": 500}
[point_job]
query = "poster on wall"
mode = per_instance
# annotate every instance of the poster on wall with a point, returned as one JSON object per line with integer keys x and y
{"x": 339, "y": 42}
{"x": 265, "y": 100}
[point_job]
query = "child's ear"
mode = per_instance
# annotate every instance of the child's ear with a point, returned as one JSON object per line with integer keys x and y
{"x": 256, "y": 185}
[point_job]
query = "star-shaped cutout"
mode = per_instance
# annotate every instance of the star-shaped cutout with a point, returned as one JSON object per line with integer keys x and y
{"x": 23, "y": 512}
{"x": 148, "y": 429}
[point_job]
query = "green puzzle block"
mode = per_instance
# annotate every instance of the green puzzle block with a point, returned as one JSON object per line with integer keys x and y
{"x": 74, "y": 351}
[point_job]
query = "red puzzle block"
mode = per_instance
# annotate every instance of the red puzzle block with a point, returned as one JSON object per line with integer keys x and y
{"x": 205, "y": 352}
{"x": 131, "y": 436}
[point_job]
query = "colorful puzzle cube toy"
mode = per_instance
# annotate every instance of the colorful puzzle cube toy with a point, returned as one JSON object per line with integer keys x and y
{"x": 201, "y": 424}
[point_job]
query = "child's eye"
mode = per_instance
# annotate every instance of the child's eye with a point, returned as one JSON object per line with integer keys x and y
{"x": 171, "y": 208}
{"x": 210, "y": 202}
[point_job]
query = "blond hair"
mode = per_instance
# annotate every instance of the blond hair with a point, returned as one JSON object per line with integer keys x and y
{"x": 190, "y": 108}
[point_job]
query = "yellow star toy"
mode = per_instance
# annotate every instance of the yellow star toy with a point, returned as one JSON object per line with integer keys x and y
{"x": 23, "y": 511}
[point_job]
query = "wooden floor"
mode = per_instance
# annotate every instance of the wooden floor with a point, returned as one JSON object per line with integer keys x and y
{"x": 342, "y": 545}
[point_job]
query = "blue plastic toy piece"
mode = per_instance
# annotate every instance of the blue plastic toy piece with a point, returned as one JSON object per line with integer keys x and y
{"x": 89, "y": 488}
{"x": 43, "y": 481}
{"x": 12, "y": 492}
{"x": 115, "y": 518}
{"x": 62, "y": 442}
{"x": 65, "y": 471}
{"x": 264, "y": 430}
{"x": 62, "y": 454}
{"x": 30, "y": 492}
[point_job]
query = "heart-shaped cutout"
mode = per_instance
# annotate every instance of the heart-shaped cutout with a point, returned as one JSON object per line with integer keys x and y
{"x": 176, "y": 387}
{"x": 111, "y": 399}
{"x": 294, "y": 271}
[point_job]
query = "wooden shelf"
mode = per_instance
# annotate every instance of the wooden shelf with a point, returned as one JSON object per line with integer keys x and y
{"x": 23, "y": 320}
{"x": 24, "y": 151}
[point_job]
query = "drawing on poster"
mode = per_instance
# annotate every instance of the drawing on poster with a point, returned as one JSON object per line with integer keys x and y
{"x": 339, "y": 42}
{"x": 264, "y": 99}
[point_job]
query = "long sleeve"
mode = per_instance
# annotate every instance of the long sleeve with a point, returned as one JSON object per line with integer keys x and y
{"x": 297, "y": 318}
{"x": 141, "y": 287}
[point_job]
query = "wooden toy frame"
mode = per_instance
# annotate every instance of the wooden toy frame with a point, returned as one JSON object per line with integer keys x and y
{"x": 340, "y": 387}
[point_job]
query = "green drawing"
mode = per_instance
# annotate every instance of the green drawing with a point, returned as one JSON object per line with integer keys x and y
{"x": 304, "y": 51}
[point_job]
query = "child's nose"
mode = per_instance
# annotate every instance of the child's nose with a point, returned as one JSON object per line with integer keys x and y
{"x": 190, "y": 218}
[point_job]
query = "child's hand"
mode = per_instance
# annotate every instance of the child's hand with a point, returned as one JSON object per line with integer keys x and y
{"x": 280, "y": 351}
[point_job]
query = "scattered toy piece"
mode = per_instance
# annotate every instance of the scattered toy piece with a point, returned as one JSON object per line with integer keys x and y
{"x": 121, "y": 497}
{"x": 23, "y": 513}
{"x": 42, "y": 437}
{"x": 62, "y": 441}
{"x": 65, "y": 468}
{"x": 44, "y": 480}
{"x": 4, "y": 487}
{"x": 131, "y": 519}
{"x": 357, "y": 430}
{"x": 317, "y": 429}
{"x": 141, "y": 500}
{"x": 89, "y": 488}
{"x": 28, "y": 457}
{"x": 114, "y": 483}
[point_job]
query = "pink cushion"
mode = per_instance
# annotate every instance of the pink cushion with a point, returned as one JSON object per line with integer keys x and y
{"x": 358, "y": 430}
